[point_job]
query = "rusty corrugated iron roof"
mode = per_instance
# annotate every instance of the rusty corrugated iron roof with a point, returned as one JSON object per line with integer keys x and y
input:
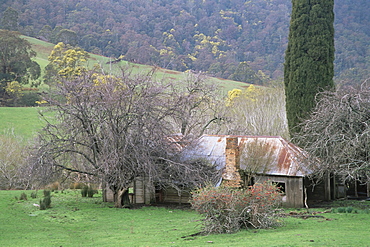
{"x": 270, "y": 155}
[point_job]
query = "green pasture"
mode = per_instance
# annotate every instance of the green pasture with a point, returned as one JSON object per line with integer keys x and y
{"x": 77, "y": 221}
{"x": 20, "y": 121}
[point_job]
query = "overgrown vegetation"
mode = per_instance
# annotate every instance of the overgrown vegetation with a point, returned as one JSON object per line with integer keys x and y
{"x": 227, "y": 210}
{"x": 337, "y": 133}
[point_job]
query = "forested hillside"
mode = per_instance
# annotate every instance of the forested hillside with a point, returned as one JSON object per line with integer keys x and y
{"x": 237, "y": 39}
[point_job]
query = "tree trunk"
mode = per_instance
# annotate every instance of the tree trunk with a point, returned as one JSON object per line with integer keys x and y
{"x": 121, "y": 198}
{"x": 367, "y": 185}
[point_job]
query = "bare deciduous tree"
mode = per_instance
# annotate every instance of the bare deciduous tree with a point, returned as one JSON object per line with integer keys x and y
{"x": 338, "y": 134}
{"x": 197, "y": 106}
{"x": 260, "y": 111}
{"x": 14, "y": 173}
{"x": 185, "y": 176}
{"x": 112, "y": 128}
{"x": 257, "y": 157}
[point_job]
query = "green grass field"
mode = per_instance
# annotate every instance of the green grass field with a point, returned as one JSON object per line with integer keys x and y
{"x": 77, "y": 221}
{"x": 20, "y": 121}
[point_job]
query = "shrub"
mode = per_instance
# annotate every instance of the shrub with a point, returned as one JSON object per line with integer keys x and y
{"x": 227, "y": 210}
{"x": 29, "y": 99}
{"x": 23, "y": 197}
{"x": 42, "y": 205}
{"x": 341, "y": 210}
{"x": 84, "y": 191}
{"x": 349, "y": 209}
{"x": 46, "y": 202}
{"x": 53, "y": 186}
{"x": 33, "y": 194}
{"x": 46, "y": 193}
{"x": 90, "y": 192}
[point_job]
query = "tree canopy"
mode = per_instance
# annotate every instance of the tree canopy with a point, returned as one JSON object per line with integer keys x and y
{"x": 17, "y": 66}
{"x": 65, "y": 61}
{"x": 309, "y": 58}
{"x": 9, "y": 21}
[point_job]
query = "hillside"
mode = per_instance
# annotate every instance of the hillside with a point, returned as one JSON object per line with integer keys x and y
{"x": 44, "y": 48}
{"x": 25, "y": 122}
{"x": 210, "y": 36}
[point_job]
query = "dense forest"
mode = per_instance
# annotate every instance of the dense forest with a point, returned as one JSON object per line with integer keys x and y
{"x": 237, "y": 39}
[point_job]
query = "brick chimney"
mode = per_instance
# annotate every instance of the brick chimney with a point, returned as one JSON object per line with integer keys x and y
{"x": 231, "y": 176}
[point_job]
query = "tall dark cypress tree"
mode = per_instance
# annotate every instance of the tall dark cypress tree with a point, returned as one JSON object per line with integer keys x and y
{"x": 309, "y": 58}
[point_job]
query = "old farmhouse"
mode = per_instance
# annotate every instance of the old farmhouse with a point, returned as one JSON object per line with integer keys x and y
{"x": 245, "y": 160}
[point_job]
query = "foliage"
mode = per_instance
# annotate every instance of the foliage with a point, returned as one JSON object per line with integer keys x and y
{"x": 244, "y": 73}
{"x": 47, "y": 193}
{"x": 91, "y": 192}
{"x": 84, "y": 191}
{"x": 337, "y": 133}
{"x": 309, "y": 58}
{"x": 349, "y": 210}
{"x": 194, "y": 173}
{"x": 178, "y": 34}
{"x": 29, "y": 99}
{"x": 42, "y": 205}
{"x": 9, "y": 20}
{"x": 34, "y": 194}
{"x": 65, "y": 61}
{"x": 227, "y": 210}
{"x": 17, "y": 66}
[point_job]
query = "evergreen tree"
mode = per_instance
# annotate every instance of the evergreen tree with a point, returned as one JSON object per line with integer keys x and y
{"x": 309, "y": 58}
{"x": 9, "y": 21}
{"x": 17, "y": 66}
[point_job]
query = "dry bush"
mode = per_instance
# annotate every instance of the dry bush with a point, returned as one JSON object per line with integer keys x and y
{"x": 227, "y": 210}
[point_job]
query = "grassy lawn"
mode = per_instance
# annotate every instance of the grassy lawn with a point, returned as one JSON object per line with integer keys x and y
{"x": 77, "y": 221}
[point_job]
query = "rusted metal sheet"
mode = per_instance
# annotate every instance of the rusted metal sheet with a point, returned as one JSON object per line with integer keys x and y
{"x": 279, "y": 157}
